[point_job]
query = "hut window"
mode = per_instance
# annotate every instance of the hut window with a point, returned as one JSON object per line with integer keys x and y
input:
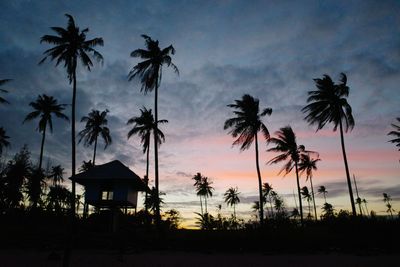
{"x": 107, "y": 195}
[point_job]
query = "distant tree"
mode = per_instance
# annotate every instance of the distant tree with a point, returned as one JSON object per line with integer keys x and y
{"x": 173, "y": 218}
{"x": 366, "y": 207}
{"x": 231, "y": 198}
{"x": 291, "y": 152}
{"x": 205, "y": 221}
{"x": 44, "y": 107}
{"x": 256, "y": 207}
{"x": 268, "y": 191}
{"x": 198, "y": 178}
{"x": 150, "y": 72}
{"x": 57, "y": 175}
{"x": 396, "y": 133}
{"x": 327, "y": 211}
{"x": 295, "y": 213}
{"x": 86, "y": 165}
{"x": 96, "y": 125}
{"x": 279, "y": 206}
{"x": 308, "y": 197}
{"x": 245, "y": 126}
{"x": 143, "y": 127}
{"x": 309, "y": 165}
{"x": 359, "y": 203}
{"x": 58, "y": 199}
{"x": 153, "y": 201}
{"x": 71, "y": 45}
{"x": 387, "y": 199}
{"x": 328, "y": 104}
{"x": 322, "y": 190}
{"x": 34, "y": 185}
{"x": 3, "y": 140}
{"x": 3, "y": 82}
{"x": 205, "y": 190}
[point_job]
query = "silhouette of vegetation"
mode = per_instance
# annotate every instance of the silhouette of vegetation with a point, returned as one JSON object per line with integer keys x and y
{"x": 396, "y": 134}
{"x": 328, "y": 104}
{"x": 96, "y": 125}
{"x": 387, "y": 199}
{"x": 291, "y": 152}
{"x": 245, "y": 127}
{"x": 197, "y": 181}
{"x": 150, "y": 72}
{"x": 204, "y": 189}
{"x": 3, "y": 82}
{"x": 322, "y": 190}
{"x": 3, "y": 140}
{"x": 305, "y": 193}
{"x": 268, "y": 195}
{"x": 231, "y": 198}
{"x": 309, "y": 165}
{"x": 44, "y": 107}
{"x": 71, "y": 45}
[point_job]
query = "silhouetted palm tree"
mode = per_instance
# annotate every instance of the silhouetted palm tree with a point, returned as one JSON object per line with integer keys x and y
{"x": 143, "y": 127}
{"x": 256, "y": 207}
{"x": 309, "y": 165}
{"x": 307, "y": 196}
{"x": 57, "y": 175}
{"x": 387, "y": 199}
{"x": 328, "y": 211}
{"x": 44, "y": 107}
{"x": 322, "y": 190}
{"x": 291, "y": 152}
{"x": 96, "y": 125}
{"x": 150, "y": 72}
{"x": 197, "y": 182}
{"x": 267, "y": 191}
{"x": 328, "y": 104}
{"x": 232, "y": 198}
{"x": 2, "y": 82}
{"x": 396, "y": 134}
{"x": 3, "y": 140}
{"x": 153, "y": 201}
{"x": 366, "y": 207}
{"x": 205, "y": 190}
{"x": 245, "y": 127}
{"x": 71, "y": 45}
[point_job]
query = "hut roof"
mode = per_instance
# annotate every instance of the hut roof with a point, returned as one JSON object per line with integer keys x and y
{"x": 113, "y": 170}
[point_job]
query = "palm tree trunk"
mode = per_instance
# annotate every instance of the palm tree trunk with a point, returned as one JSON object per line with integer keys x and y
{"x": 234, "y": 211}
{"x": 298, "y": 192}
{"x": 366, "y": 208}
{"x": 205, "y": 203}
{"x": 353, "y": 207}
{"x": 147, "y": 175}
{"x": 312, "y": 193}
{"x": 94, "y": 152}
{"x": 73, "y": 141}
{"x": 261, "y": 209}
{"x": 201, "y": 206}
{"x": 156, "y": 153}
{"x": 42, "y": 147}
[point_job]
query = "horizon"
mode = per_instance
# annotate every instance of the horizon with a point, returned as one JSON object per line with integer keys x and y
{"x": 272, "y": 51}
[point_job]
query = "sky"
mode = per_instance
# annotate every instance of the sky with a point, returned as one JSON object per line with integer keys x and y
{"x": 224, "y": 49}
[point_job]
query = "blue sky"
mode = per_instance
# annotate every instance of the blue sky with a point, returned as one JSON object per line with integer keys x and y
{"x": 269, "y": 49}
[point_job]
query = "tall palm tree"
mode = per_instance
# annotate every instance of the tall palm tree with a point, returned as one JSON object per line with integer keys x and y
{"x": 328, "y": 104}
{"x": 387, "y": 199}
{"x": 290, "y": 151}
{"x": 144, "y": 126}
{"x": 205, "y": 190}
{"x": 322, "y": 190}
{"x": 3, "y": 140}
{"x": 150, "y": 72}
{"x": 2, "y": 82}
{"x": 44, "y": 107}
{"x": 245, "y": 127}
{"x": 96, "y": 125}
{"x": 309, "y": 165}
{"x": 268, "y": 191}
{"x": 232, "y": 198}
{"x": 396, "y": 133}
{"x": 197, "y": 182}
{"x": 307, "y": 196}
{"x": 57, "y": 175}
{"x": 71, "y": 45}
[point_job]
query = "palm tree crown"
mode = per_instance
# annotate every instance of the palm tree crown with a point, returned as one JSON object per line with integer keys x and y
{"x": 245, "y": 127}
{"x": 149, "y": 70}
{"x": 71, "y": 45}
{"x": 396, "y": 133}
{"x": 231, "y": 198}
{"x": 96, "y": 125}
{"x": 2, "y": 82}
{"x": 3, "y": 140}
{"x": 205, "y": 190}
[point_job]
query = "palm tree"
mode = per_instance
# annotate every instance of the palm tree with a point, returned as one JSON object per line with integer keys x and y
{"x": 96, "y": 125}
{"x": 256, "y": 207}
{"x": 245, "y": 127}
{"x": 44, "y": 107}
{"x": 144, "y": 126}
{"x": 322, "y": 190}
{"x": 232, "y": 198}
{"x": 57, "y": 173}
{"x": 150, "y": 72}
{"x": 268, "y": 191}
{"x": 286, "y": 144}
{"x": 2, "y": 82}
{"x": 197, "y": 182}
{"x": 366, "y": 207}
{"x": 3, "y": 140}
{"x": 386, "y": 199}
{"x": 205, "y": 190}
{"x": 70, "y": 44}
{"x": 307, "y": 196}
{"x": 328, "y": 104}
{"x": 309, "y": 165}
{"x": 396, "y": 134}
